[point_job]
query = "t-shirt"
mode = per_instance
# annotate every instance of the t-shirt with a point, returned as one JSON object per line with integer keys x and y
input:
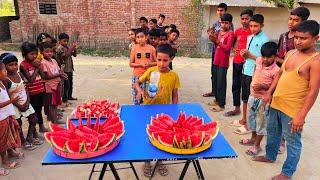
{"x": 263, "y": 75}
{"x": 166, "y": 84}
{"x": 7, "y": 110}
{"x": 65, "y": 58}
{"x": 254, "y": 44}
{"x": 223, "y": 49}
{"x": 37, "y": 86}
{"x": 217, "y": 26}
{"x": 285, "y": 44}
{"x": 52, "y": 68}
{"x": 241, "y": 35}
{"x": 142, "y": 54}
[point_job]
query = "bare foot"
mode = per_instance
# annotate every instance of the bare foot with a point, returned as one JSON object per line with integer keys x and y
{"x": 261, "y": 159}
{"x": 281, "y": 177}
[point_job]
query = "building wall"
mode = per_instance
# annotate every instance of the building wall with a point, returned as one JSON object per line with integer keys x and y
{"x": 99, "y": 23}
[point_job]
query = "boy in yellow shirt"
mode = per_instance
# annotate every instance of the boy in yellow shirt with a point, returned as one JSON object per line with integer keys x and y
{"x": 162, "y": 88}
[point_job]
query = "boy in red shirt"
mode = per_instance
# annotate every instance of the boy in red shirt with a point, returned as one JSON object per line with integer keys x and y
{"x": 240, "y": 39}
{"x": 223, "y": 44}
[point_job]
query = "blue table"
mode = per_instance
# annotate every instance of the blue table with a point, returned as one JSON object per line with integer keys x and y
{"x": 135, "y": 145}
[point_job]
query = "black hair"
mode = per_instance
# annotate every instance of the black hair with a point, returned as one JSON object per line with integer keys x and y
{"x": 154, "y": 32}
{"x": 301, "y": 12}
{"x": 223, "y": 5}
{"x": 133, "y": 29}
{"x": 309, "y": 26}
{"x": 44, "y": 46}
{"x": 1, "y": 66}
{"x": 41, "y": 37}
{"x": 175, "y": 31}
{"x": 162, "y": 15}
{"x": 227, "y": 17}
{"x": 8, "y": 58}
{"x": 3, "y": 55}
{"x": 154, "y": 21}
{"x": 28, "y": 47}
{"x": 258, "y": 18}
{"x": 166, "y": 49}
{"x": 165, "y": 27}
{"x": 63, "y": 36}
{"x": 269, "y": 49}
{"x": 247, "y": 11}
{"x": 54, "y": 41}
{"x": 162, "y": 33}
{"x": 173, "y": 26}
{"x": 143, "y": 19}
{"x": 140, "y": 30}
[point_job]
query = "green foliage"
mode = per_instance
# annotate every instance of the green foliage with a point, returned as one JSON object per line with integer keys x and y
{"x": 290, "y": 4}
{"x": 193, "y": 16}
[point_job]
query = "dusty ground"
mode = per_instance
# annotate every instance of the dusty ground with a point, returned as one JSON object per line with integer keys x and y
{"x": 97, "y": 77}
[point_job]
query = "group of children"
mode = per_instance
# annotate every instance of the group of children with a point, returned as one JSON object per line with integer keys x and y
{"x": 42, "y": 80}
{"x": 260, "y": 73}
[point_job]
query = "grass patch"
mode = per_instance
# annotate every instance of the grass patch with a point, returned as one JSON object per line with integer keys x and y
{"x": 10, "y": 46}
{"x": 104, "y": 52}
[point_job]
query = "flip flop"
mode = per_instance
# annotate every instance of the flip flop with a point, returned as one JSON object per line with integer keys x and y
{"x": 246, "y": 142}
{"x": 217, "y": 109}
{"x": 253, "y": 151}
{"x": 163, "y": 171}
{"x": 207, "y": 94}
{"x": 12, "y": 165}
{"x": 37, "y": 141}
{"x": 4, "y": 172}
{"x": 242, "y": 131}
{"x": 147, "y": 170}
{"x": 29, "y": 146}
{"x": 231, "y": 113}
{"x": 20, "y": 156}
{"x": 213, "y": 103}
{"x": 236, "y": 123}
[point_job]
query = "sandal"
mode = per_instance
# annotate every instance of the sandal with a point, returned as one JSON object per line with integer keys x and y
{"x": 163, "y": 171}
{"x": 29, "y": 146}
{"x": 213, "y": 103}
{"x": 18, "y": 155}
{"x": 147, "y": 169}
{"x": 210, "y": 94}
{"x": 232, "y": 113}
{"x": 242, "y": 130}
{"x": 4, "y": 172}
{"x": 217, "y": 109}
{"x": 246, "y": 142}
{"x": 37, "y": 141}
{"x": 12, "y": 165}
{"x": 253, "y": 151}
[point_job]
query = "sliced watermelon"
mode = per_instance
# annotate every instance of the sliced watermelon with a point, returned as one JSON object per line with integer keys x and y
{"x": 166, "y": 119}
{"x": 197, "y": 139}
{"x": 89, "y": 121}
{"x": 166, "y": 140}
{"x": 55, "y": 127}
{"x": 87, "y": 130}
{"x": 117, "y": 126}
{"x": 155, "y": 128}
{"x": 181, "y": 118}
{"x": 92, "y": 145}
{"x": 80, "y": 123}
{"x": 96, "y": 125}
{"x": 58, "y": 142}
{"x": 110, "y": 121}
{"x": 73, "y": 146}
{"x": 106, "y": 139}
{"x": 207, "y": 138}
{"x": 155, "y": 122}
{"x": 47, "y": 137}
{"x": 70, "y": 125}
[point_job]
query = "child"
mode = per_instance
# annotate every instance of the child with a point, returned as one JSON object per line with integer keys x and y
{"x": 154, "y": 37}
{"x": 132, "y": 38}
{"x": 52, "y": 74}
{"x": 293, "y": 92}
{"x": 9, "y": 135}
{"x": 161, "y": 19}
{"x": 254, "y": 44}
{"x": 23, "y": 107}
{"x": 33, "y": 81}
{"x": 167, "y": 83}
{"x": 152, "y": 24}
{"x": 64, "y": 58}
{"x": 42, "y": 38}
{"x": 241, "y": 36}
{"x": 163, "y": 38}
{"x": 144, "y": 23}
{"x": 265, "y": 72}
{"x": 223, "y": 45}
{"x": 142, "y": 57}
{"x": 166, "y": 29}
{"x": 172, "y": 40}
{"x": 171, "y": 27}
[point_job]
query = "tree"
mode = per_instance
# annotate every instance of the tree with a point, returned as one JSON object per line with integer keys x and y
{"x": 290, "y": 4}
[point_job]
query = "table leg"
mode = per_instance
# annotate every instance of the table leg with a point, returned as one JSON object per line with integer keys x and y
{"x": 196, "y": 168}
{"x": 184, "y": 170}
{"x": 103, "y": 170}
{"x": 114, "y": 171}
{"x": 154, "y": 170}
{"x": 134, "y": 171}
{"x": 199, "y": 169}
{"x": 94, "y": 165}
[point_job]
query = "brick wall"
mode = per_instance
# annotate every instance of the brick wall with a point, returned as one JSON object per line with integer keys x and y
{"x": 99, "y": 23}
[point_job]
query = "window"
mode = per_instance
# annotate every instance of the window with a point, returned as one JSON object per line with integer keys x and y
{"x": 48, "y": 6}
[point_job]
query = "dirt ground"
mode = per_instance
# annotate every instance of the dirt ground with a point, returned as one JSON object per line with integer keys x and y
{"x": 98, "y": 77}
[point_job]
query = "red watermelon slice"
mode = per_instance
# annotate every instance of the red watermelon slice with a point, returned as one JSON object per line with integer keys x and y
{"x": 70, "y": 125}
{"x": 55, "y": 127}
{"x": 197, "y": 139}
{"x": 105, "y": 140}
{"x": 73, "y": 146}
{"x": 166, "y": 139}
{"x": 58, "y": 142}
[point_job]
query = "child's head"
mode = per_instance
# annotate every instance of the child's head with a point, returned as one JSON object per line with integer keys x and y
{"x": 171, "y": 27}
{"x": 222, "y": 9}
{"x": 163, "y": 38}
{"x": 64, "y": 39}
{"x": 245, "y": 17}
{"x": 297, "y": 16}
{"x": 269, "y": 51}
{"x": 11, "y": 63}
{"x": 165, "y": 54}
{"x": 306, "y": 35}
{"x": 154, "y": 37}
{"x": 166, "y": 29}
{"x": 256, "y": 23}
{"x": 226, "y": 21}
{"x": 29, "y": 51}
{"x": 161, "y": 19}
{"x": 152, "y": 24}
{"x": 46, "y": 50}
{"x": 43, "y": 38}
{"x": 3, "y": 71}
{"x": 132, "y": 35}
{"x": 141, "y": 36}
{"x": 143, "y": 22}
{"x": 174, "y": 35}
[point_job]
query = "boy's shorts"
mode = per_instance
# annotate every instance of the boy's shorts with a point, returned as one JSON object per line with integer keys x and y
{"x": 245, "y": 85}
{"x": 257, "y": 115}
{"x": 134, "y": 92}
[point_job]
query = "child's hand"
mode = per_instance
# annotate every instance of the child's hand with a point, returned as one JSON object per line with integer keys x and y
{"x": 75, "y": 45}
{"x": 244, "y": 53}
{"x": 145, "y": 65}
{"x": 140, "y": 95}
{"x": 63, "y": 75}
{"x": 36, "y": 64}
{"x": 15, "y": 99}
{"x": 24, "y": 107}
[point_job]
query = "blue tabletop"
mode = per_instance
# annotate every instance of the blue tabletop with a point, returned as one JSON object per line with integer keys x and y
{"x": 135, "y": 146}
